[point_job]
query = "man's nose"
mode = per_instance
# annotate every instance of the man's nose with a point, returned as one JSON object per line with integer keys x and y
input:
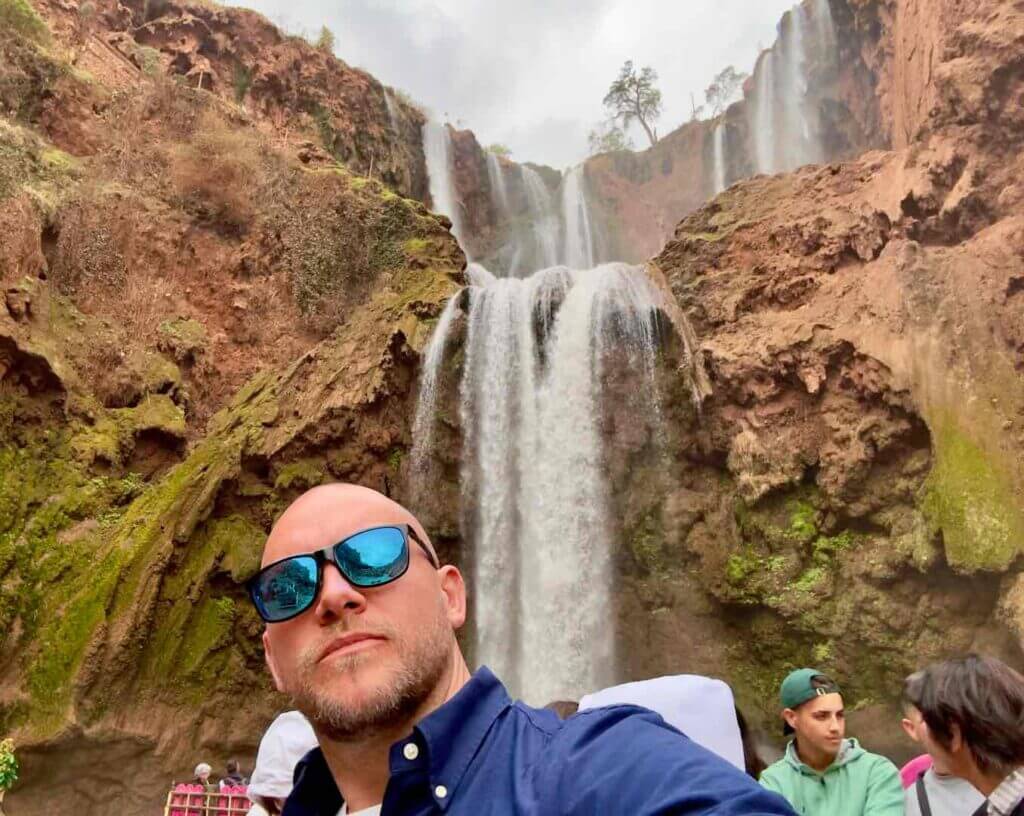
{"x": 337, "y": 596}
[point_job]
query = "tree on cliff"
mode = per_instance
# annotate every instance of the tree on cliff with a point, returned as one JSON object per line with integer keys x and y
{"x": 723, "y": 89}
{"x": 607, "y": 137}
{"x": 633, "y": 96}
{"x": 325, "y": 42}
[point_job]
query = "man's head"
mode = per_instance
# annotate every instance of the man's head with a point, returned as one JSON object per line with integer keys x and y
{"x": 361, "y": 660}
{"x": 203, "y": 771}
{"x": 971, "y": 715}
{"x": 812, "y": 708}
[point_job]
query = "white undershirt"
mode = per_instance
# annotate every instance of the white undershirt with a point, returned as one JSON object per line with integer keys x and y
{"x": 370, "y": 811}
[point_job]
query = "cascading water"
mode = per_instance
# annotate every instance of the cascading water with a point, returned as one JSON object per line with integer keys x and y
{"x": 579, "y": 240}
{"x": 718, "y": 153}
{"x": 540, "y": 606}
{"x": 785, "y": 127}
{"x": 426, "y": 404}
{"x": 394, "y": 116}
{"x": 764, "y": 119}
{"x": 535, "y": 497}
{"x": 499, "y": 190}
{"x": 437, "y": 148}
{"x": 542, "y": 217}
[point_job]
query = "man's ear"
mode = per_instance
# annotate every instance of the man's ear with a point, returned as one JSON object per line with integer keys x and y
{"x": 908, "y": 727}
{"x": 956, "y": 742}
{"x": 789, "y": 715}
{"x": 453, "y": 589}
{"x": 268, "y": 655}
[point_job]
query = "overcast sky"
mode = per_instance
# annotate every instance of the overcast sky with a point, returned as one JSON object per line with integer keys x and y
{"x": 531, "y": 74}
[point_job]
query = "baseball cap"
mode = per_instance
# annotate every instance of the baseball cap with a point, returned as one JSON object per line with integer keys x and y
{"x": 803, "y": 685}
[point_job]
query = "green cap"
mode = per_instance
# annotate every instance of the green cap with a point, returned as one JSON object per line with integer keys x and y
{"x": 805, "y": 684}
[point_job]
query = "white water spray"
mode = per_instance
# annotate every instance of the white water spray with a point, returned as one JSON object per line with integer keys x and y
{"x": 394, "y": 115}
{"x": 718, "y": 158}
{"x": 579, "y": 240}
{"x": 542, "y": 217}
{"x": 534, "y": 468}
{"x": 764, "y": 120}
{"x": 499, "y": 190}
{"x": 437, "y": 148}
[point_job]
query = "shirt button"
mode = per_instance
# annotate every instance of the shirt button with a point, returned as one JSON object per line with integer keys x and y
{"x": 440, "y": 791}
{"x": 411, "y": 750}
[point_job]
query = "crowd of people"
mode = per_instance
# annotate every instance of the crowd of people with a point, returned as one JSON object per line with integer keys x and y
{"x": 361, "y": 618}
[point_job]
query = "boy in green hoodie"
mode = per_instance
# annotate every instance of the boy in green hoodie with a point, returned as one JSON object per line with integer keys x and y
{"x": 823, "y": 773}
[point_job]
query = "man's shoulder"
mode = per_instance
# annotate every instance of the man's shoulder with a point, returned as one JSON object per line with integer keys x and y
{"x": 779, "y": 770}
{"x": 597, "y": 736}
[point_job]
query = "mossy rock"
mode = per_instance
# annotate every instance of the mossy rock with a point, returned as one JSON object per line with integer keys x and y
{"x": 184, "y": 338}
{"x": 969, "y": 496}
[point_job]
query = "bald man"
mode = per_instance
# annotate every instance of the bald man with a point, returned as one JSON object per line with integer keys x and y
{"x": 361, "y": 621}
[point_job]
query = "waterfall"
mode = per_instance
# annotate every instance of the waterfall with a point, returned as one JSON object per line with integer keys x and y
{"x": 426, "y": 403}
{"x": 542, "y": 217}
{"x": 437, "y": 148}
{"x": 764, "y": 119}
{"x": 394, "y": 115}
{"x": 579, "y": 241}
{"x": 718, "y": 142}
{"x": 534, "y": 470}
{"x": 825, "y": 29}
{"x": 499, "y": 190}
{"x": 797, "y": 139}
{"x": 784, "y": 123}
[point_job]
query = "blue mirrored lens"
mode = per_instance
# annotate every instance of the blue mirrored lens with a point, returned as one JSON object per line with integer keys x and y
{"x": 373, "y": 557}
{"x": 284, "y": 590}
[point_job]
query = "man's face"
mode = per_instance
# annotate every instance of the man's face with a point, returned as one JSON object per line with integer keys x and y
{"x": 820, "y": 723}
{"x": 361, "y": 659}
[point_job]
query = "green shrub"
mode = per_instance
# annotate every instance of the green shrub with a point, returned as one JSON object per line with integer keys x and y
{"x": 8, "y": 765}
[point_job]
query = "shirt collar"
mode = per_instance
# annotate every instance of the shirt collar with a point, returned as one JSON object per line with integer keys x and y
{"x": 454, "y": 732}
{"x": 452, "y": 735}
{"x": 1008, "y": 794}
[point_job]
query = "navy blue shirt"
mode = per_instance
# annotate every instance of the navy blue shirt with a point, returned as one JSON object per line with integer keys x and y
{"x": 481, "y": 753}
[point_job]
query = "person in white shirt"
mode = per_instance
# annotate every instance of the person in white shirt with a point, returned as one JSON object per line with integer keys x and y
{"x": 288, "y": 739}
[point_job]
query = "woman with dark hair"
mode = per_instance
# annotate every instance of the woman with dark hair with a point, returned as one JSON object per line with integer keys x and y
{"x": 972, "y": 715}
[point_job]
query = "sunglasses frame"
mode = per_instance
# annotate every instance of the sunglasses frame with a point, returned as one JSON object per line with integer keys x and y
{"x": 326, "y": 556}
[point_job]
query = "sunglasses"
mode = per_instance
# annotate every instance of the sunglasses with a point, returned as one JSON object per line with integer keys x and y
{"x": 369, "y": 558}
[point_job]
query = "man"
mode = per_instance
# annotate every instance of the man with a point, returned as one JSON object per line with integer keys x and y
{"x": 361, "y": 622}
{"x": 822, "y": 773}
{"x": 972, "y": 712}
{"x": 935, "y": 791}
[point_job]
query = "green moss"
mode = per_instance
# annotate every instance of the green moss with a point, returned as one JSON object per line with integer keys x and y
{"x": 19, "y": 17}
{"x": 415, "y": 247}
{"x": 58, "y": 160}
{"x": 302, "y": 473}
{"x": 803, "y": 520}
{"x": 825, "y": 548}
{"x": 810, "y": 580}
{"x": 823, "y": 654}
{"x": 183, "y": 337}
{"x": 647, "y": 542}
{"x": 970, "y": 497}
{"x": 395, "y": 458}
